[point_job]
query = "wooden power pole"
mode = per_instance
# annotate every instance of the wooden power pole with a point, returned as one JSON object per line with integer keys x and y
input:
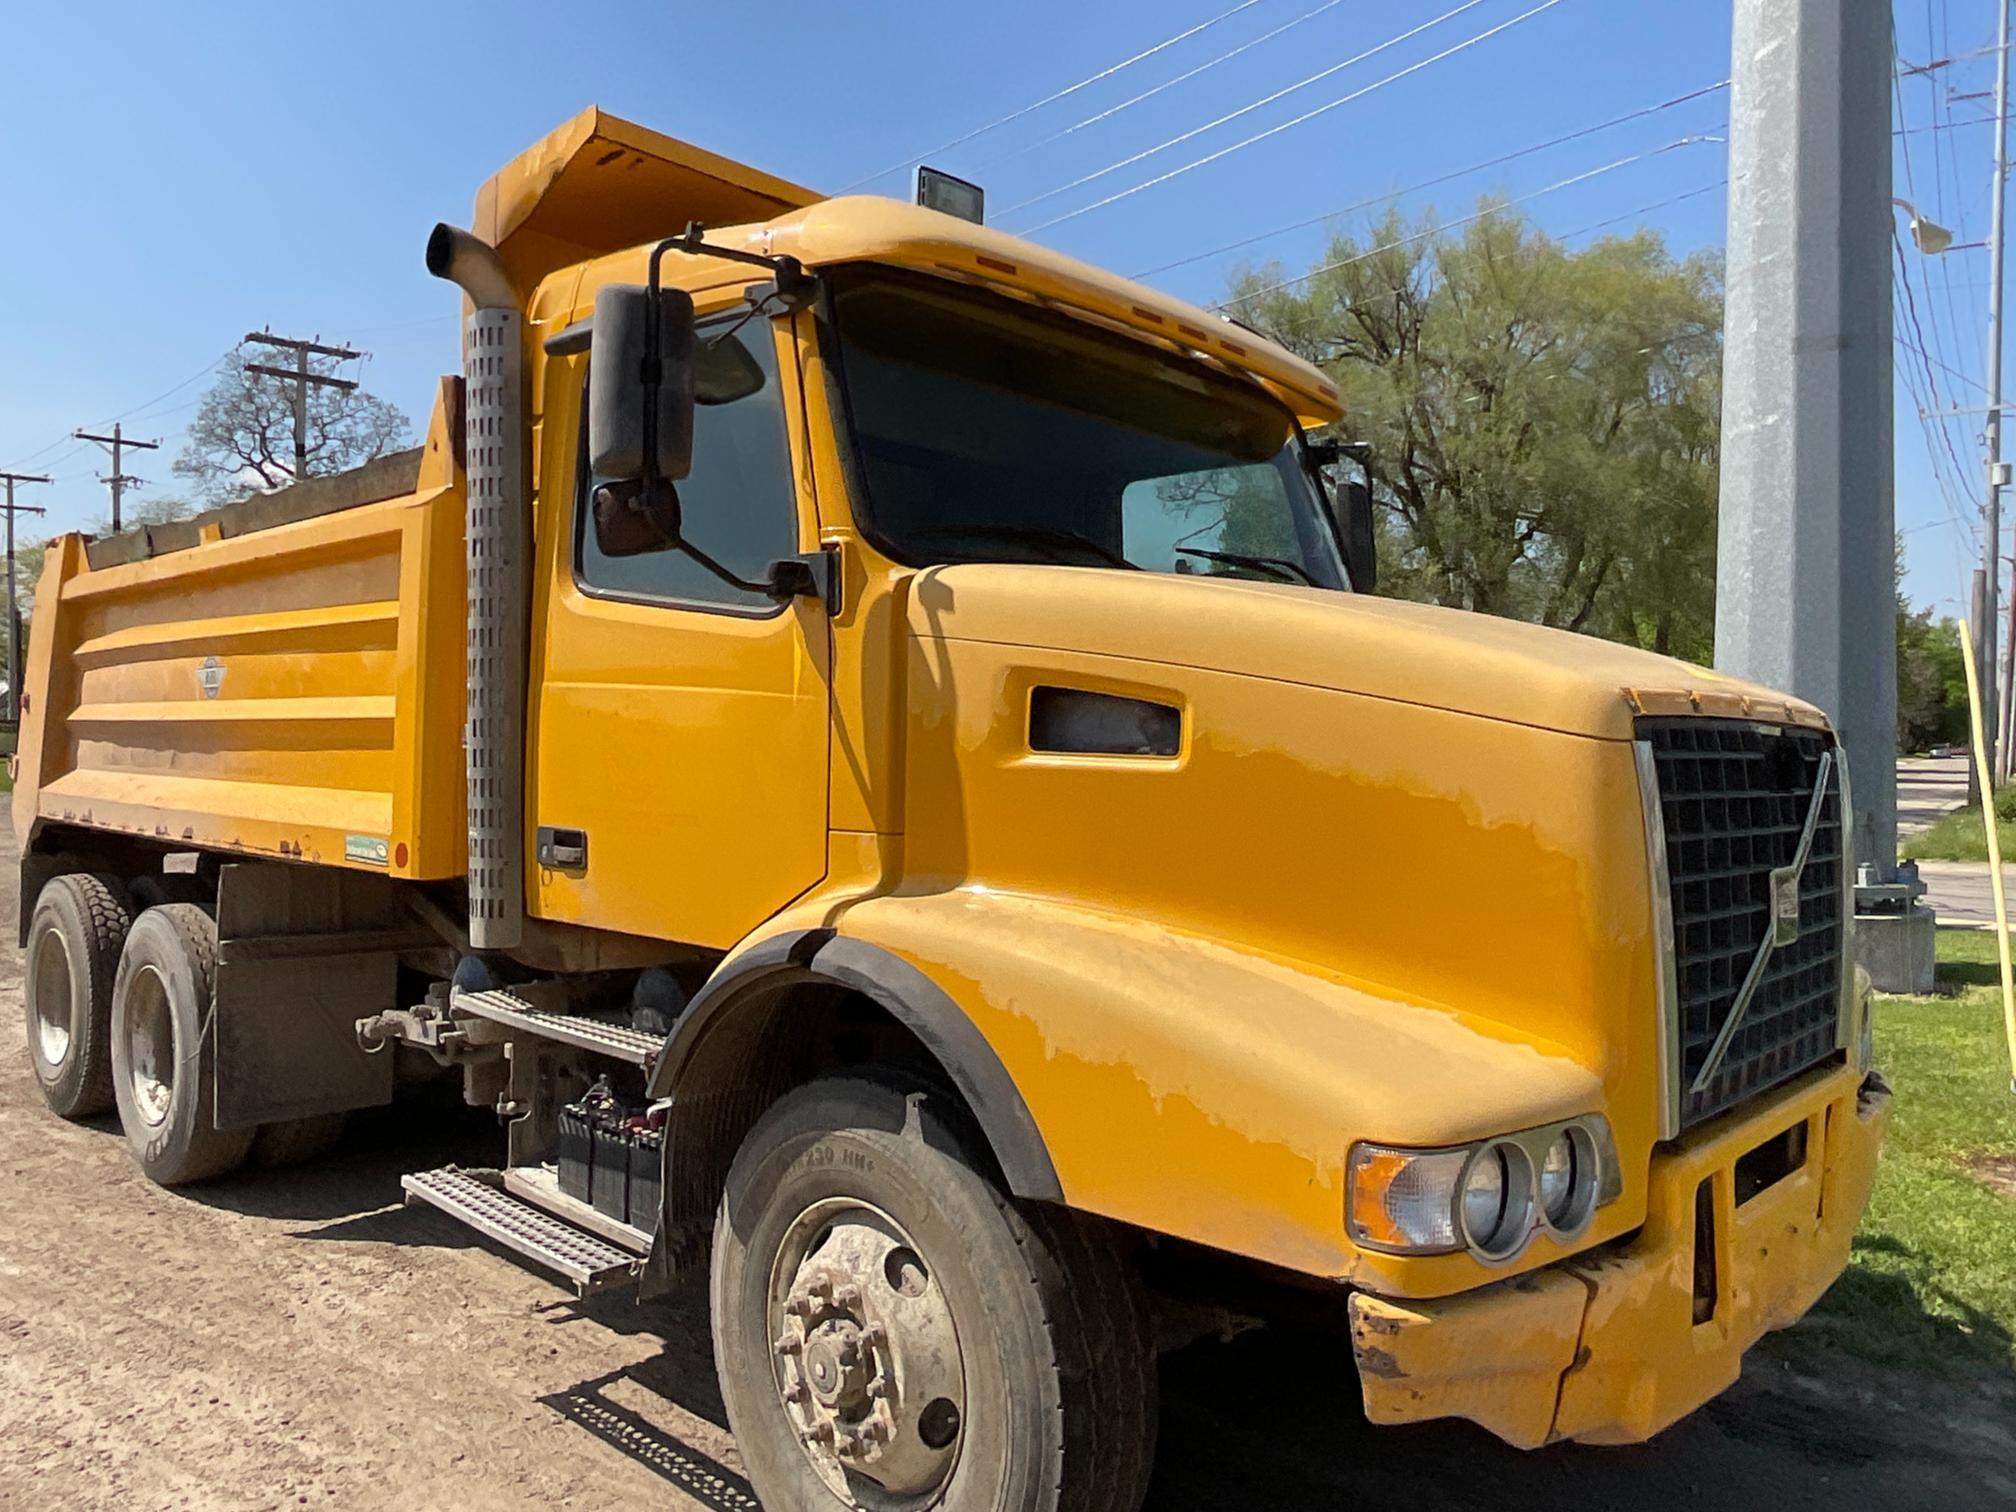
{"x": 302, "y": 378}
{"x": 13, "y": 701}
{"x": 120, "y": 444}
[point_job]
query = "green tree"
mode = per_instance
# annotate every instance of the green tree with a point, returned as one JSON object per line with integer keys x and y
{"x": 1544, "y": 422}
{"x": 242, "y": 439}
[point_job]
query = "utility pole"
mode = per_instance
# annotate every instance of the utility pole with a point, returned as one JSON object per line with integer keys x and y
{"x": 1991, "y": 540}
{"x": 120, "y": 444}
{"x": 13, "y": 703}
{"x": 302, "y": 378}
{"x": 1805, "y": 599}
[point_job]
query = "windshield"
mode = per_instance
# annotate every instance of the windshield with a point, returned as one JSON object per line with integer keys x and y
{"x": 990, "y": 431}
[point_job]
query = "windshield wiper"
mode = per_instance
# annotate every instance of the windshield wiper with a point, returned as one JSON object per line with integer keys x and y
{"x": 1283, "y": 569}
{"x": 1042, "y": 535}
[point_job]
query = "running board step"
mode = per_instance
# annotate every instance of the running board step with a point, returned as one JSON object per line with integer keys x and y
{"x": 516, "y": 1010}
{"x": 588, "y": 1263}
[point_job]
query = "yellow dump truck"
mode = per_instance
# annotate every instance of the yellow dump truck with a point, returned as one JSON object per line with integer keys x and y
{"x": 871, "y": 745}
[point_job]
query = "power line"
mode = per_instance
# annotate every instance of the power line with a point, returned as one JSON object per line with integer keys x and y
{"x": 1147, "y": 94}
{"x": 1247, "y": 109}
{"x": 1439, "y": 229}
{"x": 1642, "y": 210}
{"x": 1051, "y": 99}
{"x": 1310, "y": 115}
{"x": 1443, "y": 178}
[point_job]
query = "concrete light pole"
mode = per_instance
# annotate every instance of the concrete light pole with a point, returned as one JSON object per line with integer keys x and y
{"x": 1804, "y": 594}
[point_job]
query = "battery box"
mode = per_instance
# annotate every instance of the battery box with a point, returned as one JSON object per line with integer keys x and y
{"x": 609, "y": 1157}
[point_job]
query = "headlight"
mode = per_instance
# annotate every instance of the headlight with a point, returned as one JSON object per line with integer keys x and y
{"x": 1568, "y": 1181}
{"x": 1490, "y": 1197}
{"x": 1498, "y": 1200}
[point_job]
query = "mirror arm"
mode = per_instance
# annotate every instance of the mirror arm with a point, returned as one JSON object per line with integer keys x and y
{"x": 810, "y": 574}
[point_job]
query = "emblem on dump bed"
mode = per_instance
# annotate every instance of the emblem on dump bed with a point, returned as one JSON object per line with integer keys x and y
{"x": 210, "y": 676}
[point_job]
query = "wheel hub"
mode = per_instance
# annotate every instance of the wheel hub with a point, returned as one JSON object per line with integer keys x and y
{"x": 49, "y": 985}
{"x": 151, "y": 1047}
{"x": 868, "y": 1367}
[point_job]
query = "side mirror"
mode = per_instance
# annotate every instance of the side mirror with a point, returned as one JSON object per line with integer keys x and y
{"x": 627, "y": 403}
{"x": 1351, "y": 508}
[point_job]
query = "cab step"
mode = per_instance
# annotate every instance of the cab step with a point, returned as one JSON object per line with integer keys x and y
{"x": 589, "y": 1263}
{"x": 522, "y": 1011}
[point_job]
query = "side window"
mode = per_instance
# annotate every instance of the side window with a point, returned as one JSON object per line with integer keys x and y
{"x": 737, "y": 504}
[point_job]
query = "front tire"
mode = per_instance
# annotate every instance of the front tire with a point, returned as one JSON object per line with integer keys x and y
{"x": 74, "y": 938}
{"x": 892, "y": 1332}
{"x": 163, "y": 1051}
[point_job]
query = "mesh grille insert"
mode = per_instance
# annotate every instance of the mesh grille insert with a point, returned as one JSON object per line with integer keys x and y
{"x": 1734, "y": 798}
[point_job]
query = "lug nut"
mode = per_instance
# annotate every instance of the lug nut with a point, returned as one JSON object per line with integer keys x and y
{"x": 876, "y": 1334}
{"x": 848, "y": 1296}
{"x": 819, "y": 1433}
{"x": 797, "y": 1391}
{"x": 789, "y": 1344}
{"x": 879, "y": 1388}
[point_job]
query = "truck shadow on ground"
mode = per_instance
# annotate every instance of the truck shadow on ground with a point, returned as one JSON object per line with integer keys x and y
{"x": 1272, "y": 1420}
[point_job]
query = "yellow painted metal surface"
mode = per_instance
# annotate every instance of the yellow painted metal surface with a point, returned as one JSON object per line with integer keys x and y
{"x": 290, "y": 692}
{"x": 1604, "y": 1348}
{"x": 690, "y": 744}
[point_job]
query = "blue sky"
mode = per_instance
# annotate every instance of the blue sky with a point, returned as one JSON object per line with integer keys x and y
{"x": 173, "y": 176}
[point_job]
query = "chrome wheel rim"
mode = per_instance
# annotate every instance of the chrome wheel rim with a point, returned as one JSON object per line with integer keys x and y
{"x": 865, "y": 1356}
{"x": 150, "y": 1046}
{"x": 50, "y": 987}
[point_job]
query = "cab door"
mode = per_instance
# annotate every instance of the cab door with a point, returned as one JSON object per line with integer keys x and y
{"x": 679, "y": 724}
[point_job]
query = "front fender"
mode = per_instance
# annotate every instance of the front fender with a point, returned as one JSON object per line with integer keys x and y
{"x": 1202, "y": 1091}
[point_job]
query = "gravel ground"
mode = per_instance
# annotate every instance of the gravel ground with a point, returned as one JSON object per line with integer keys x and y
{"x": 301, "y": 1339}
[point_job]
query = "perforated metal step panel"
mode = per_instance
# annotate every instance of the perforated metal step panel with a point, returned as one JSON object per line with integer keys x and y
{"x": 588, "y": 1263}
{"x": 587, "y": 1031}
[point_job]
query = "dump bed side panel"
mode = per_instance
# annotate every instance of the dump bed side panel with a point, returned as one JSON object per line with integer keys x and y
{"x": 294, "y": 692}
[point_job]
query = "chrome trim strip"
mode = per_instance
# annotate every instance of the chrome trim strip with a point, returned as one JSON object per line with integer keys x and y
{"x": 1667, "y": 975}
{"x": 1755, "y": 975}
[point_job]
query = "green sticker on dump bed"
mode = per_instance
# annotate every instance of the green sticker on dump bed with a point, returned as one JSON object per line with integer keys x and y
{"x": 366, "y": 848}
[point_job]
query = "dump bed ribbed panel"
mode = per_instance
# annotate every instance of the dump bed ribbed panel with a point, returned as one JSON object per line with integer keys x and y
{"x": 296, "y": 691}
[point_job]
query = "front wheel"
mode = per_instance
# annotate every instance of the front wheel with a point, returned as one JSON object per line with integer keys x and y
{"x": 892, "y": 1332}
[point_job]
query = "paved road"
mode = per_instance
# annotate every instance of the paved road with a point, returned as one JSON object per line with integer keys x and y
{"x": 299, "y": 1338}
{"x": 1926, "y": 788}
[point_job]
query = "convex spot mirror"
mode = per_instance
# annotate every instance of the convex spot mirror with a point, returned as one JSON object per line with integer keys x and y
{"x": 624, "y": 399}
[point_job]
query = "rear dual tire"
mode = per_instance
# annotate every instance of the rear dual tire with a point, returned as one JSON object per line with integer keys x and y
{"x": 163, "y": 1051}
{"x": 74, "y": 939}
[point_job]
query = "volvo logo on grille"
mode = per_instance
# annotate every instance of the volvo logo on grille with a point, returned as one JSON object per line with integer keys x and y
{"x": 210, "y": 677}
{"x": 1785, "y": 904}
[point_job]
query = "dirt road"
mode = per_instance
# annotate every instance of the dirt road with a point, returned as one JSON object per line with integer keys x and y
{"x": 301, "y": 1339}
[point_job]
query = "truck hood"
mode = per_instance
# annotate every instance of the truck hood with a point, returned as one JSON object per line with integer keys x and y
{"x": 1382, "y": 648}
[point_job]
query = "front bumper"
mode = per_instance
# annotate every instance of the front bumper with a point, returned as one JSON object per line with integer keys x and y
{"x": 1604, "y": 1348}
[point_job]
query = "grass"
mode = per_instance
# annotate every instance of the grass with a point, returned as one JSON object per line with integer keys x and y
{"x": 1932, "y": 1282}
{"x": 1958, "y": 836}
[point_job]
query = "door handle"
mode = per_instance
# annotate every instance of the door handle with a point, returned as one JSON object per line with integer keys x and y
{"x": 563, "y": 849}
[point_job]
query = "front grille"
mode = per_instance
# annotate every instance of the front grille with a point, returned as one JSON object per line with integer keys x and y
{"x": 1734, "y": 797}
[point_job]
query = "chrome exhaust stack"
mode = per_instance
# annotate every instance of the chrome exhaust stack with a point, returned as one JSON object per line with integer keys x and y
{"x": 498, "y": 549}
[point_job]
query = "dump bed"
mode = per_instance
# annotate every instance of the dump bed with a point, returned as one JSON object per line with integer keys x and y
{"x": 280, "y": 678}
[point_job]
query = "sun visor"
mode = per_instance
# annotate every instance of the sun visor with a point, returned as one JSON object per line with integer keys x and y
{"x": 599, "y": 184}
